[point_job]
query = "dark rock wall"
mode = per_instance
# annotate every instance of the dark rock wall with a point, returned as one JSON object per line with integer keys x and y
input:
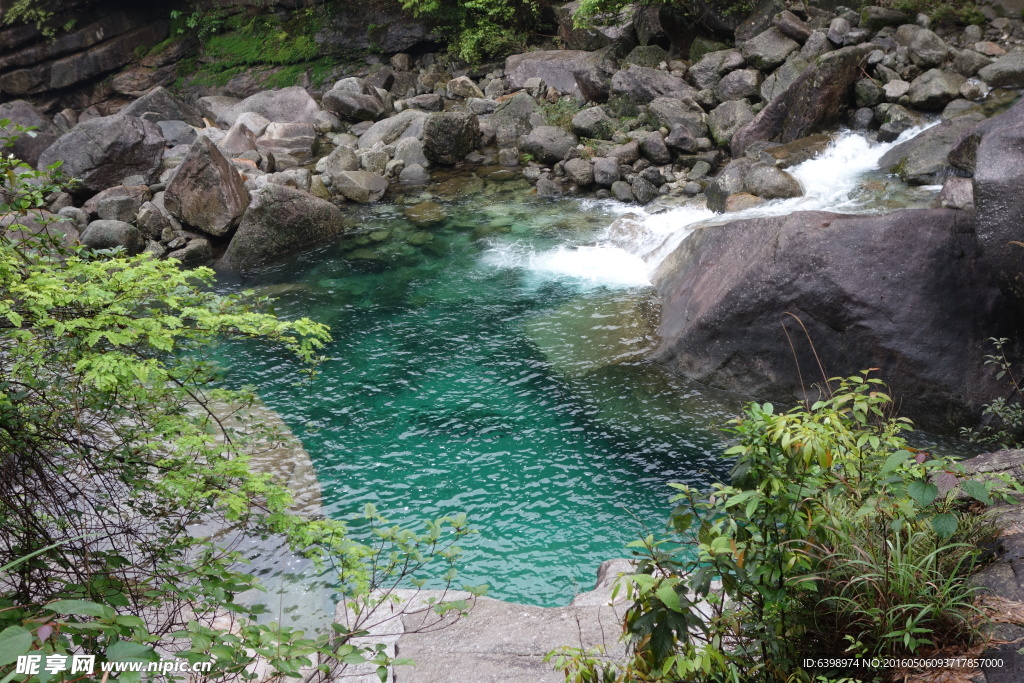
{"x": 72, "y": 69}
{"x": 905, "y": 292}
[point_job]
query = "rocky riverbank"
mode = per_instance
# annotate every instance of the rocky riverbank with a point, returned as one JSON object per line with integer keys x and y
{"x": 244, "y": 181}
{"x": 237, "y": 178}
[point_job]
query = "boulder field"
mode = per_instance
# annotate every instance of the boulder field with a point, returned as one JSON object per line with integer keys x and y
{"x": 773, "y": 306}
{"x": 631, "y": 113}
{"x": 617, "y": 115}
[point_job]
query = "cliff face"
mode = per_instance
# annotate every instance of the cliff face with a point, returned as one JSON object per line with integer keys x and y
{"x": 73, "y": 68}
{"x": 106, "y": 35}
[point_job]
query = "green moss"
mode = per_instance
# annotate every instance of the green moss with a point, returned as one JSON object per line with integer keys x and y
{"x": 941, "y": 11}
{"x": 561, "y": 112}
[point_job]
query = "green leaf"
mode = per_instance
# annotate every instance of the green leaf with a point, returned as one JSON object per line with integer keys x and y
{"x": 976, "y": 490}
{"x": 14, "y": 642}
{"x": 82, "y": 608}
{"x": 667, "y": 594}
{"x": 922, "y": 492}
{"x": 893, "y": 462}
{"x": 126, "y": 651}
{"x": 944, "y": 524}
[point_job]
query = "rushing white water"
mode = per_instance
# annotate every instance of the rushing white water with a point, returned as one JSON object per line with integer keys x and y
{"x": 632, "y": 247}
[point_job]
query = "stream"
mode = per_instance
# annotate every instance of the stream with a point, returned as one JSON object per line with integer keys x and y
{"x": 492, "y": 362}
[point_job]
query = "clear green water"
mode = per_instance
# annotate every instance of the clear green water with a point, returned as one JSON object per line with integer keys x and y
{"x": 459, "y": 381}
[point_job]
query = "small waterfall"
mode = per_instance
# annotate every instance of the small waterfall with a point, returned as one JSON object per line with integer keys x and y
{"x": 628, "y": 252}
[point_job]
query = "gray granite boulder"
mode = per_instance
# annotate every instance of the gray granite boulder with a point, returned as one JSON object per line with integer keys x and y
{"x": 159, "y": 104}
{"x": 814, "y": 100}
{"x": 1005, "y": 72}
{"x": 728, "y": 118}
{"x": 905, "y": 292}
{"x": 29, "y": 146}
{"x": 594, "y": 123}
{"x": 108, "y": 234}
{"x": 769, "y": 49}
{"x": 549, "y": 144}
{"x": 923, "y": 160}
{"x": 934, "y": 89}
{"x": 106, "y": 151}
{"x": 641, "y": 85}
{"x": 281, "y": 220}
{"x": 207, "y": 192}
{"x": 448, "y": 137}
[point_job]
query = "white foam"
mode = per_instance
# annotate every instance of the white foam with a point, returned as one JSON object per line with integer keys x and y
{"x": 635, "y": 244}
{"x": 589, "y": 265}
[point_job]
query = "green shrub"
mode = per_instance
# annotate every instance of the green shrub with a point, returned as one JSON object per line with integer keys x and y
{"x": 941, "y": 11}
{"x": 115, "y": 451}
{"x": 1005, "y": 415}
{"x": 832, "y": 539}
{"x": 480, "y": 29}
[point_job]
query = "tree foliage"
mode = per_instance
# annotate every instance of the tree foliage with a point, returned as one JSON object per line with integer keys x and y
{"x": 115, "y": 446}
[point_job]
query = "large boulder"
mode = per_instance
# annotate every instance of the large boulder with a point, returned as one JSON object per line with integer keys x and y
{"x": 281, "y": 220}
{"x": 512, "y": 119}
{"x": 727, "y": 118}
{"x": 730, "y": 181}
{"x": 109, "y": 234}
{"x": 391, "y": 129}
{"x": 815, "y": 100}
{"x": 286, "y": 105}
{"x": 769, "y": 49}
{"x": 739, "y": 84}
{"x": 159, "y": 104}
{"x": 244, "y": 132}
{"x": 340, "y": 159}
{"x": 359, "y": 186}
{"x": 107, "y": 151}
{"x": 710, "y": 68}
{"x": 356, "y": 100}
{"x": 593, "y": 122}
{"x": 549, "y": 144}
{"x": 768, "y": 181}
{"x": 29, "y": 146}
{"x": 555, "y": 67}
{"x": 934, "y": 89}
{"x": 905, "y": 292}
{"x": 118, "y": 203}
{"x": 290, "y": 144}
{"x": 923, "y": 160}
{"x": 207, "y": 193}
{"x": 1006, "y": 72}
{"x": 640, "y": 84}
{"x": 449, "y": 136}
{"x": 594, "y": 74}
{"x": 926, "y": 50}
{"x": 998, "y": 178}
